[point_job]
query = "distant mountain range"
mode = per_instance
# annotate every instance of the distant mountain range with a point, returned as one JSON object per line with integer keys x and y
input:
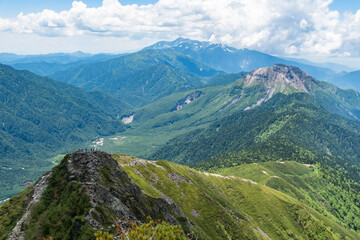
{"x": 347, "y": 80}
{"x": 280, "y": 147}
{"x": 140, "y": 78}
{"x": 232, "y": 60}
{"x": 48, "y": 64}
{"x": 217, "y": 56}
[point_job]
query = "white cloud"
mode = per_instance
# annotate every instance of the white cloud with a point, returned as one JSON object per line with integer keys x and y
{"x": 304, "y": 24}
{"x": 275, "y": 26}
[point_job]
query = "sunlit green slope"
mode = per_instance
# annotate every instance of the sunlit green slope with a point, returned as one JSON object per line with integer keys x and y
{"x": 319, "y": 186}
{"x": 156, "y": 123}
{"x": 231, "y": 207}
{"x": 292, "y": 127}
{"x": 87, "y": 191}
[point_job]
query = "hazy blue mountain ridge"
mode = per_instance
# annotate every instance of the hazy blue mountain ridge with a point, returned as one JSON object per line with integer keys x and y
{"x": 143, "y": 77}
{"x": 232, "y": 60}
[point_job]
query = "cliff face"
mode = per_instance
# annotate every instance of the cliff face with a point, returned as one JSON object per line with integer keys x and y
{"x": 88, "y": 191}
{"x": 110, "y": 187}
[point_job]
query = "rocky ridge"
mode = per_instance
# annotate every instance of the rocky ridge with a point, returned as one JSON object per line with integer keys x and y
{"x": 110, "y": 187}
{"x": 109, "y": 192}
{"x": 280, "y": 77}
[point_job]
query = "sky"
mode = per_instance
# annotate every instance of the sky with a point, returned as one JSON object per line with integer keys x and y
{"x": 322, "y": 30}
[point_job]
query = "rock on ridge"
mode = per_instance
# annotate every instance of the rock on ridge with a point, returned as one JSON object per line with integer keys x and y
{"x": 280, "y": 76}
{"x": 110, "y": 192}
{"x": 110, "y": 187}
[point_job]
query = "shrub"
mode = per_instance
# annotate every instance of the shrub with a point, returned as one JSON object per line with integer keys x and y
{"x": 152, "y": 230}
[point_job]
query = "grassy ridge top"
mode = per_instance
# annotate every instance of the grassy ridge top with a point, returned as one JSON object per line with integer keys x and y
{"x": 317, "y": 185}
{"x": 227, "y": 206}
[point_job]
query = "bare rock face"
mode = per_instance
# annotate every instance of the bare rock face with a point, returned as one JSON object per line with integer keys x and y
{"x": 102, "y": 193}
{"x": 188, "y": 99}
{"x": 280, "y": 77}
{"x": 17, "y": 233}
{"x": 110, "y": 188}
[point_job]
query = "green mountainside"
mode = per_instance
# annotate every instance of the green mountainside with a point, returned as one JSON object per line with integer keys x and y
{"x": 269, "y": 154}
{"x": 88, "y": 191}
{"x": 41, "y": 118}
{"x": 287, "y": 126}
{"x": 140, "y": 78}
{"x": 155, "y": 124}
{"x": 317, "y": 185}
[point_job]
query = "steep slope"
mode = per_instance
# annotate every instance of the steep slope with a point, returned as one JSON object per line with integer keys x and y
{"x": 317, "y": 185}
{"x": 156, "y": 123}
{"x": 234, "y": 60}
{"x": 288, "y": 127}
{"x": 289, "y": 79}
{"x": 142, "y": 77}
{"x": 110, "y": 104}
{"x": 39, "y": 119}
{"x": 252, "y": 90}
{"x": 88, "y": 190}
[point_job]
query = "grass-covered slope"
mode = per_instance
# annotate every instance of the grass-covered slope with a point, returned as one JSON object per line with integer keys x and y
{"x": 12, "y": 211}
{"x": 319, "y": 186}
{"x": 88, "y": 191}
{"x": 155, "y": 124}
{"x": 295, "y": 119}
{"x": 224, "y": 207}
{"x": 41, "y": 118}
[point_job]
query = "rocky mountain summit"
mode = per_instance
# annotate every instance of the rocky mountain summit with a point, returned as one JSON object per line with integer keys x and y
{"x": 280, "y": 77}
{"x": 286, "y": 79}
{"x": 87, "y": 192}
{"x": 111, "y": 188}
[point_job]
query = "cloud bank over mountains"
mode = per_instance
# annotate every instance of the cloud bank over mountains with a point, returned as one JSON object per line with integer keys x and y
{"x": 280, "y": 27}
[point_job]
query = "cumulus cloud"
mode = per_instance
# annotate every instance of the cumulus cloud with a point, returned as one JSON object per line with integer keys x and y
{"x": 274, "y": 26}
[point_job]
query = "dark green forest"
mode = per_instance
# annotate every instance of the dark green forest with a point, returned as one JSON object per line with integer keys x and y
{"x": 41, "y": 118}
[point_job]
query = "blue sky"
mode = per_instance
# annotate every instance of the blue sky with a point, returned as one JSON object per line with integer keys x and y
{"x": 294, "y": 28}
{"x": 11, "y": 8}
{"x": 345, "y": 5}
